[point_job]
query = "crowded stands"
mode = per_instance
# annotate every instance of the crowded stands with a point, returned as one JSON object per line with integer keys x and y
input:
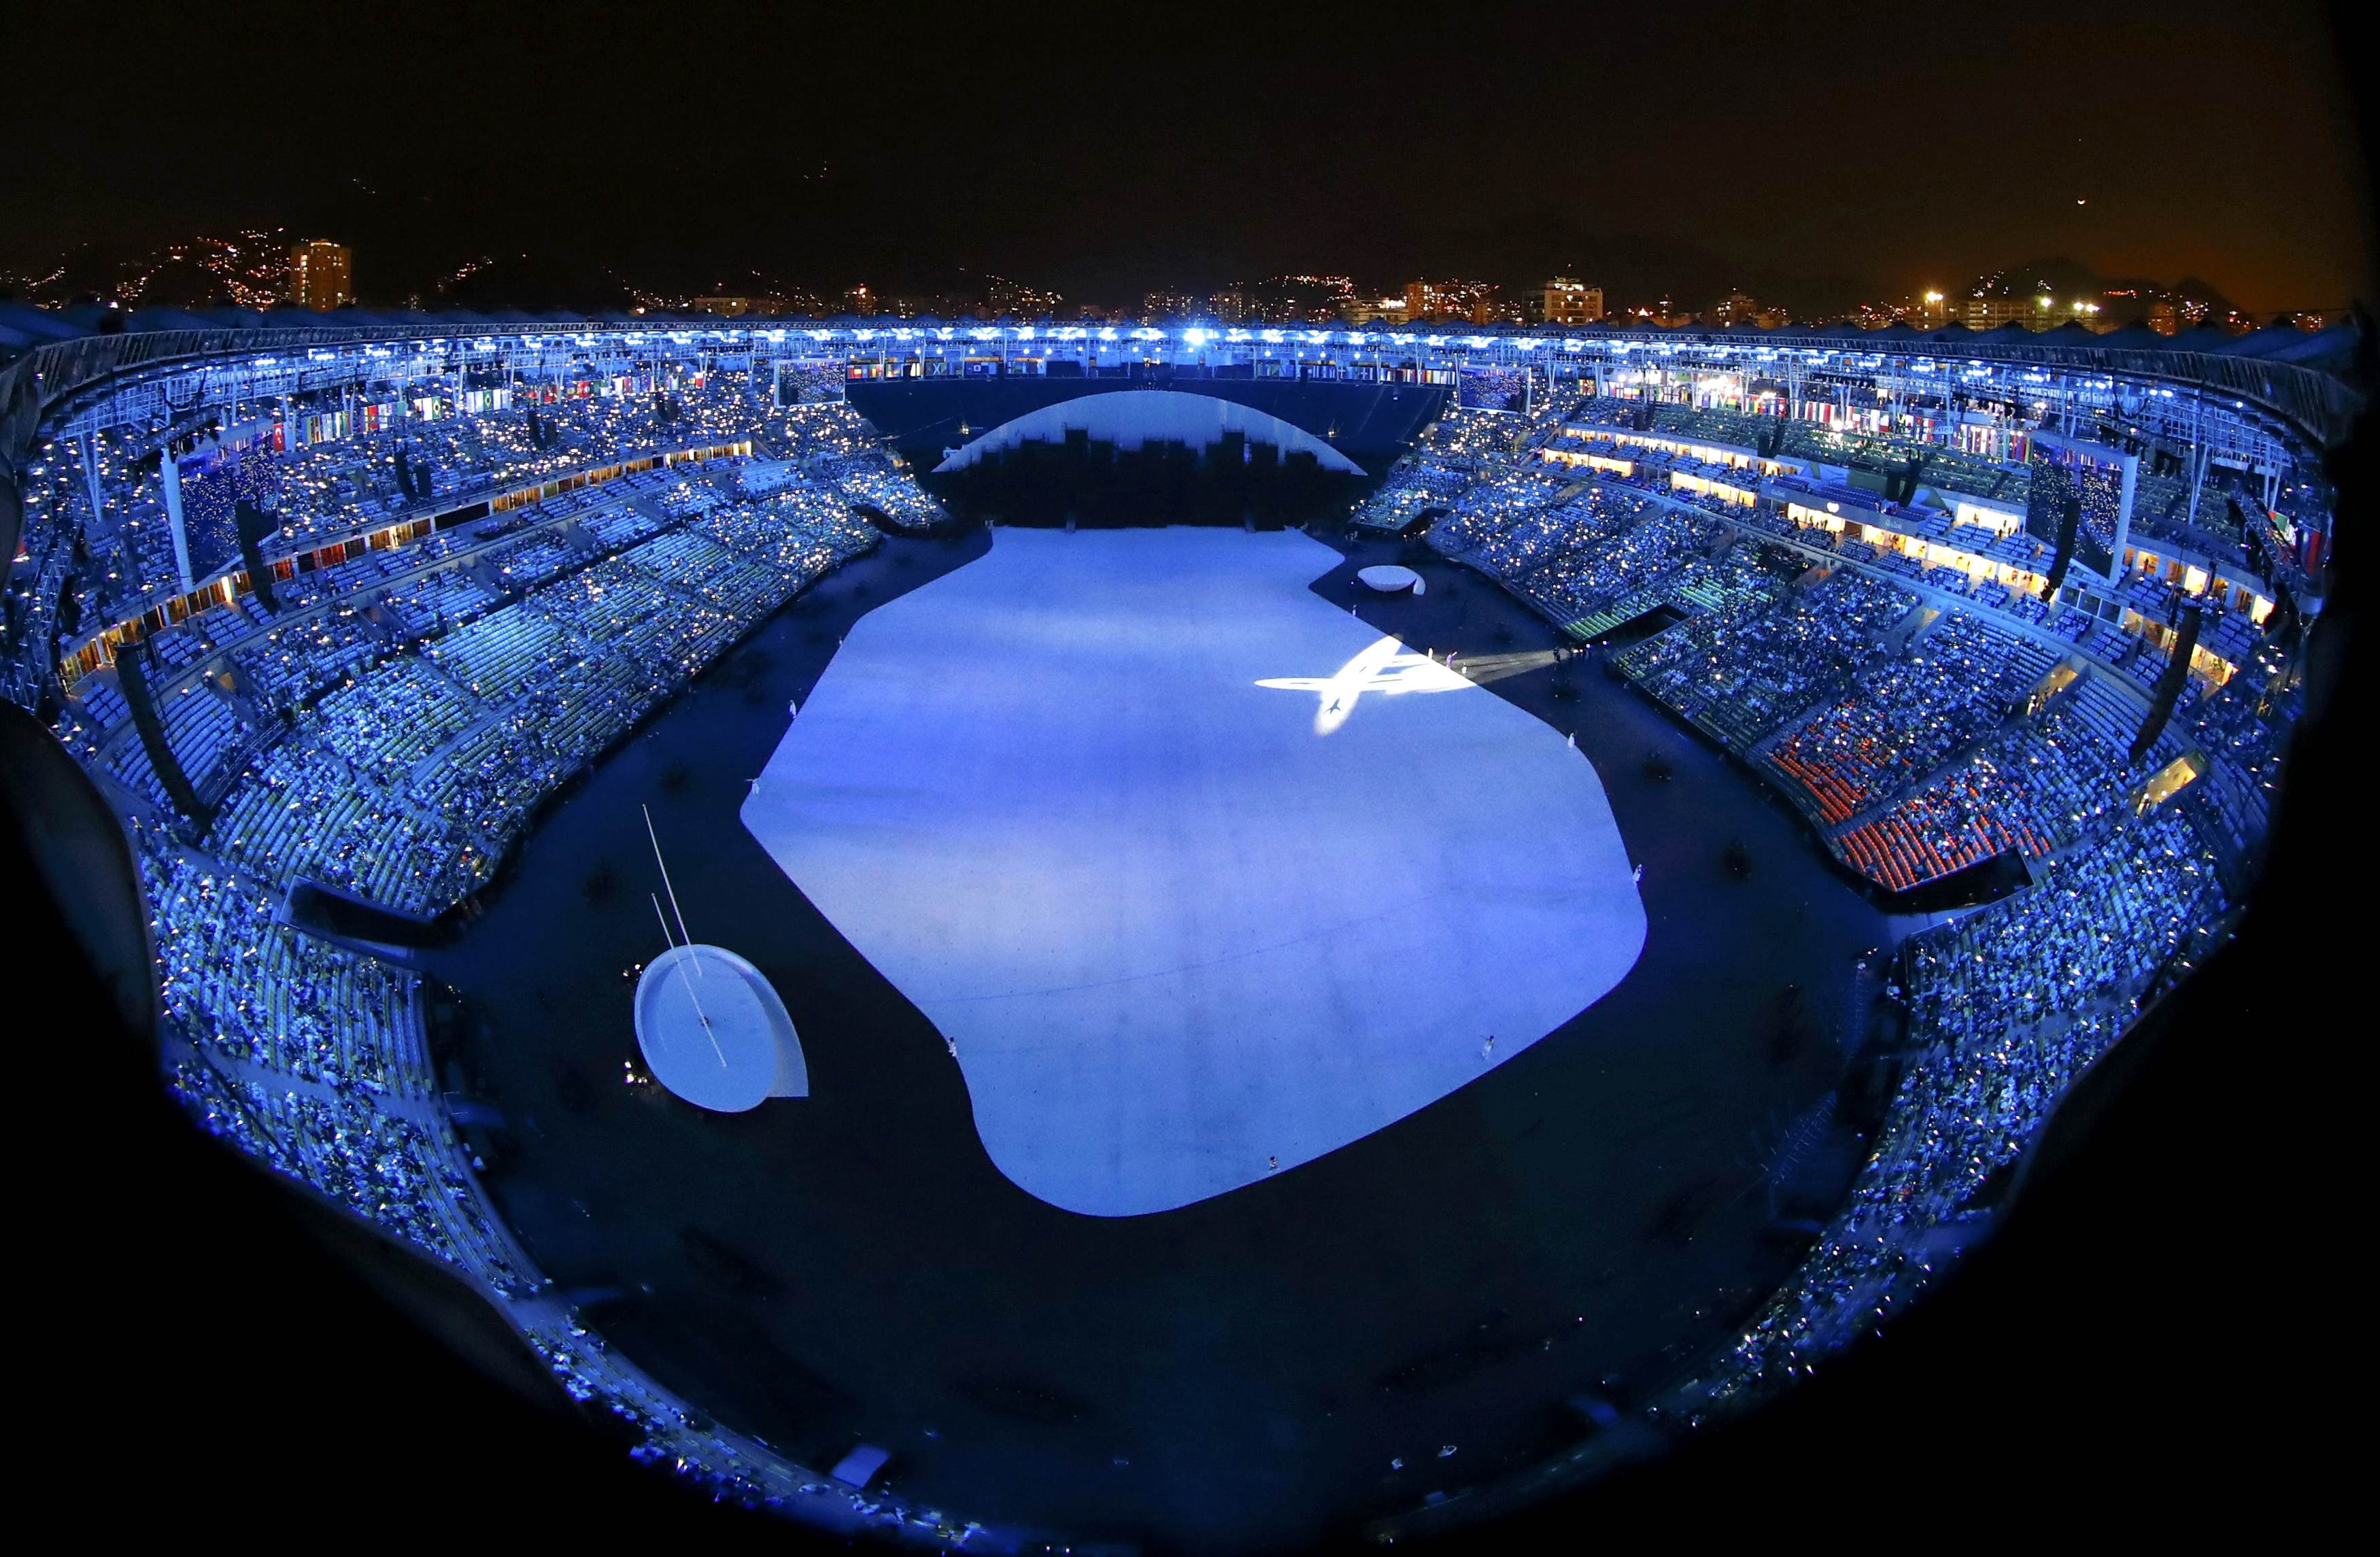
{"x": 389, "y": 730}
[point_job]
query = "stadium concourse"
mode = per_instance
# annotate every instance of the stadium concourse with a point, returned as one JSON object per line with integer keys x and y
{"x": 489, "y": 557}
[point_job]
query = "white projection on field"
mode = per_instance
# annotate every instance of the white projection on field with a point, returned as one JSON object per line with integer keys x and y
{"x": 1386, "y": 668}
{"x": 1186, "y": 932}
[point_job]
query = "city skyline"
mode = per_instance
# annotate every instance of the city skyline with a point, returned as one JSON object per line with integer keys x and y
{"x": 261, "y": 268}
{"x": 1185, "y": 164}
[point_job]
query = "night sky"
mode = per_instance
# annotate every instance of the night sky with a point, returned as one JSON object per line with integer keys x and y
{"x": 1812, "y": 154}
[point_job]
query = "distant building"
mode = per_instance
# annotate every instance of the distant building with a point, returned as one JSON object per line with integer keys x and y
{"x": 858, "y": 299}
{"x": 1155, "y": 306}
{"x": 1299, "y": 300}
{"x": 1736, "y": 307}
{"x": 2162, "y": 317}
{"x": 1933, "y": 310}
{"x": 1476, "y": 302}
{"x": 1230, "y": 305}
{"x": 1365, "y": 308}
{"x": 1006, "y": 297}
{"x": 1567, "y": 300}
{"x": 725, "y": 307}
{"x": 320, "y": 277}
{"x": 1990, "y": 313}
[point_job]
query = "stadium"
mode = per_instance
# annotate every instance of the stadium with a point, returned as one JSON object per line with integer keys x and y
{"x": 1263, "y": 1047}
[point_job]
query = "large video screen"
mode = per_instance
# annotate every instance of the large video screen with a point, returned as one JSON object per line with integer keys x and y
{"x": 214, "y": 477}
{"x": 2099, "y": 481}
{"x": 1493, "y": 389}
{"x": 804, "y": 383}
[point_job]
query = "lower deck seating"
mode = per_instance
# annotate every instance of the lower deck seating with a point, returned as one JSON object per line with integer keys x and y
{"x": 1903, "y": 719}
{"x": 1739, "y": 672}
{"x": 2036, "y": 789}
{"x": 2008, "y": 1006}
{"x": 408, "y": 779}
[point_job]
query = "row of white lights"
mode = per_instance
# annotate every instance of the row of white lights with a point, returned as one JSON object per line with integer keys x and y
{"x": 1196, "y": 337}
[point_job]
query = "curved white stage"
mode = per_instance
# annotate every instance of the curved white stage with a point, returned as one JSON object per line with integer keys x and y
{"x": 1197, "y": 871}
{"x": 714, "y": 1032}
{"x": 1388, "y": 579}
{"x": 1131, "y": 418}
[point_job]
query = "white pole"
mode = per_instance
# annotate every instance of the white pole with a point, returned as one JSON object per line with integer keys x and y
{"x": 665, "y": 878}
{"x": 699, "y": 1014}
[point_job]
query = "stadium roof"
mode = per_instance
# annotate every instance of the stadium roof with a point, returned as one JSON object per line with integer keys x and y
{"x": 2304, "y": 377}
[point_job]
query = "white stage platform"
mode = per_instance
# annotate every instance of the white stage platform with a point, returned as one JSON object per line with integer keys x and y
{"x": 1199, "y": 875}
{"x": 713, "y": 1031}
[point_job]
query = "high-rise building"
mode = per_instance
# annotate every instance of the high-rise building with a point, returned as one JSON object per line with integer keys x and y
{"x": 1363, "y": 308}
{"x": 1161, "y": 305}
{"x": 2032, "y": 312}
{"x": 1568, "y": 300}
{"x": 858, "y": 299}
{"x": 319, "y": 275}
{"x": 1476, "y": 302}
{"x": 1006, "y": 297}
{"x": 1737, "y": 307}
{"x": 1299, "y": 300}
